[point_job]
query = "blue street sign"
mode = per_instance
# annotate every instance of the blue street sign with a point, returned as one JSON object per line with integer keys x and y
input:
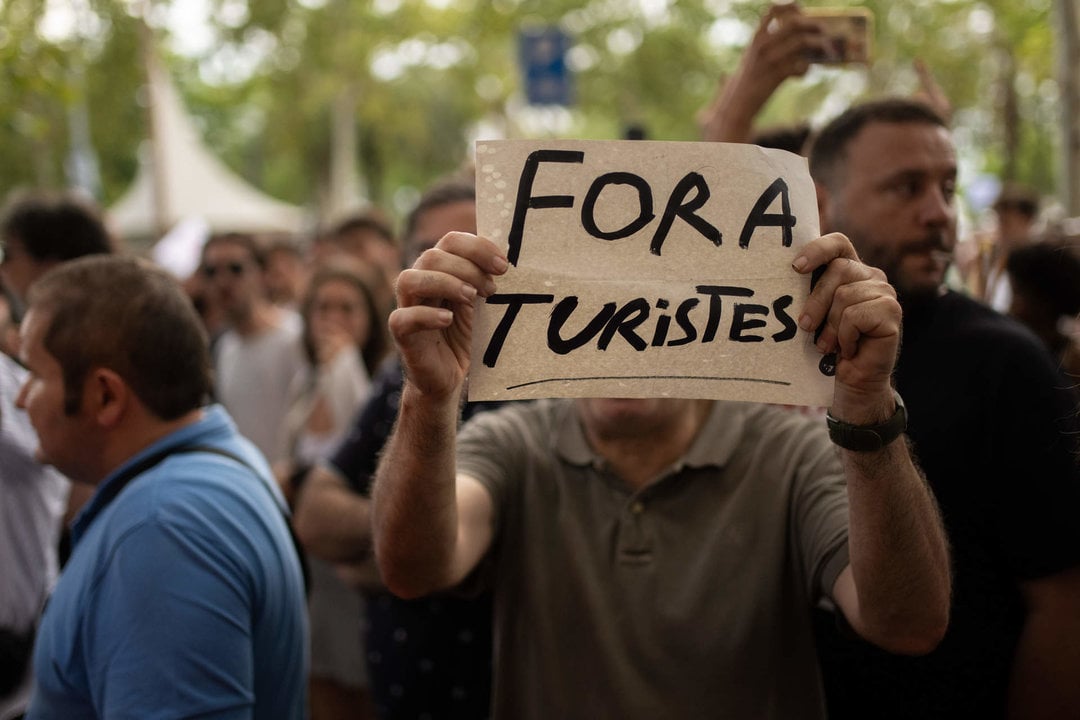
{"x": 542, "y": 57}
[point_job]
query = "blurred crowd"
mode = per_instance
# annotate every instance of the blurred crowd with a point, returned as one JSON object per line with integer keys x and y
{"x": 303, "y": 360}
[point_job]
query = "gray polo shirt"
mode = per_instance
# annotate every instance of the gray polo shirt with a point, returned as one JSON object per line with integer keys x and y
{"x": 689, "y": 598}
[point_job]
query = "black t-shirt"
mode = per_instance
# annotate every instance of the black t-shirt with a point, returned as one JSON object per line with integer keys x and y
{"x": 994, "y": 427}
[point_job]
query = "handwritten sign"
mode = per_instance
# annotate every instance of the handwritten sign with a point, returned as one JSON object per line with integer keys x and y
{"x": 645, "y": 269}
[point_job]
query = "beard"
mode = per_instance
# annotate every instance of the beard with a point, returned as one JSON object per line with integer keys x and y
{"x": 916, "y": 269}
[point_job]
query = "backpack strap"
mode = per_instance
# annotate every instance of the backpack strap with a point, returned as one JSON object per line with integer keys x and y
{"x": 125, "y": 478}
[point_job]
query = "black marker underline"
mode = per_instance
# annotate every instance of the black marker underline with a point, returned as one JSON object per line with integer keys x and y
{"x": 649, "y": 377}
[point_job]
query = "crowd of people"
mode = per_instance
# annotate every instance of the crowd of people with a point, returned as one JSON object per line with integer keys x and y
{"x": 259, "y": 492}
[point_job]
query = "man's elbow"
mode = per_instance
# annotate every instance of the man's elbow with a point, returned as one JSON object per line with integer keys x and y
{"x": 401, "y": 576}
{"x": 912, "y": 635}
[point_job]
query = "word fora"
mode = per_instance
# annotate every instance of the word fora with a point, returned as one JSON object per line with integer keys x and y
{"x": 688, "y": 196}
{"x": 626, "y": 321}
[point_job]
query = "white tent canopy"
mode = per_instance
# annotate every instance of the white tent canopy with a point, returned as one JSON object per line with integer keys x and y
{"x": 190, "y": 181}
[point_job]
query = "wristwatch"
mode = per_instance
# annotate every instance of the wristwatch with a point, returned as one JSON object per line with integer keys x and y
{"x": 866, "y": 438}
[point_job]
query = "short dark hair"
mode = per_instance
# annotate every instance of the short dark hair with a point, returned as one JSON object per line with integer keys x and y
{"x": 133, "y": 318}
{"x": 828, "y": 149}
{"x": 1014, "y": 196}
{"x": 1048, "y": 272}
{"x": 371, "y": 350}
{"x": 55, "y": 226}
{"x": 372, "y": 220}
{"x": 783, "y": 137}
{"x": 254, "y": 245}
{"x": 455, "y": 188}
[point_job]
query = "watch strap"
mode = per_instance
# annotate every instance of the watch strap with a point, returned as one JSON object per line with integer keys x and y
{"x": 867, "y": 438}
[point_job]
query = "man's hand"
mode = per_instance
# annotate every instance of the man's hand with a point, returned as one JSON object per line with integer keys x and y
{"x": 781, "y": 48}
{"x": 432, "y": 326}
{"x": 859, "y": 318}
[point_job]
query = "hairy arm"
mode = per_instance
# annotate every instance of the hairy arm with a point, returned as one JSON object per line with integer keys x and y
{"x": 779, "y": 49}
{"x": 896, "y": 591}
{"x": 431, "y": 527}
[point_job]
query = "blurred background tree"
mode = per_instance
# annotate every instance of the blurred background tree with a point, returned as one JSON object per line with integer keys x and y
{"x": 416, "y": 80}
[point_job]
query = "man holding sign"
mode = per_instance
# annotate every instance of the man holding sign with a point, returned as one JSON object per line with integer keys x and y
{"x": 659, "y": 556}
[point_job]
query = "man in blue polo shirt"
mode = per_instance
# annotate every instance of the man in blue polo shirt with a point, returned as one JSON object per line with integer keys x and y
{"x": 184, "y": 595}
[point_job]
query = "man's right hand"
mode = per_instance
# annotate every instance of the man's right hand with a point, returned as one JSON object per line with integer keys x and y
{"x": 432, "y": 325}
{"x": 782, "y": 47}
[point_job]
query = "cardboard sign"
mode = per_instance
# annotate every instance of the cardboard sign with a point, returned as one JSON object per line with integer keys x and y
{"x": 646, "y": 269}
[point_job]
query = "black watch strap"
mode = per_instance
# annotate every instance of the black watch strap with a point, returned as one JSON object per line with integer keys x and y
{"x": 866, "y": 438}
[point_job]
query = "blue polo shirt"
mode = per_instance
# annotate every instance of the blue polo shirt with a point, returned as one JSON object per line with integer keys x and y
{"x": 183, "y": 596}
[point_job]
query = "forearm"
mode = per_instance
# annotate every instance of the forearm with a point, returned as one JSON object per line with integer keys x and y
{"x": 732, "y": 116}
{"x": 332, "y": 521}
{"x": 898, "y": 552}
{"x": 415, "y": 509}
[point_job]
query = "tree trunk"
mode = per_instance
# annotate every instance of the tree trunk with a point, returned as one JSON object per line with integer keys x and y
{"x": 1068, "y": 20}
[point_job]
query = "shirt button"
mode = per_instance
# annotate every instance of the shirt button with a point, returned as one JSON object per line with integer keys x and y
{"x": 637, "y": 508}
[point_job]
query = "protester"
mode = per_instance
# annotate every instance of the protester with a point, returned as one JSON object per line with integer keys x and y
{"x": 1045, "y": 281}
{"x": 994, "y": 429}
{"x": 1016, "y": 209}
{"x": 344, "y": 341}
{"x": 286, "y": 272}
{"x": 32, "y": 500}
{"x": 41, "y": 230}
{"x": 259, "y": 354}
{"x": 183, "y": 595}
{"x": 38, "y": 231}
{"x": 781, "y": 48}
{"x": 429, "y": 656}
{"x": 784, "y": 45}
{"x": 615, "y": 532}
{"x": 368, "y": 237}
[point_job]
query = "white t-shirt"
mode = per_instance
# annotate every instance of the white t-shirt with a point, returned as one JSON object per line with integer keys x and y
{"x": 253, "y": 379}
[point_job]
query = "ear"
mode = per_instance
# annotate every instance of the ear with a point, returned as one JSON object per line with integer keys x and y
{"x": 822, "y": 207}
{"x": 107, "y": 397}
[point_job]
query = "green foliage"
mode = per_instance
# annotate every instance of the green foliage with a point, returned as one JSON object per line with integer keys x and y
{"x": 423, "y": 73}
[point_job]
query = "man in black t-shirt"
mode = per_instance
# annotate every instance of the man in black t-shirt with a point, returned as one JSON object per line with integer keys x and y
{"x": 994, "y": 426}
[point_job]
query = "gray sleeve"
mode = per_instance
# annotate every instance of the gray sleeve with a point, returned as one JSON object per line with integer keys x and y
{"x": 819, "y": 513}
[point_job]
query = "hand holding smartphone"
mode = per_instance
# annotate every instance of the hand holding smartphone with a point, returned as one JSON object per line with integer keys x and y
{"x": 848, "y": 33}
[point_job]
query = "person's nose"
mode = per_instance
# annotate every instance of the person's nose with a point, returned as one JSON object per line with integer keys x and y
{"x": 937, "y": 208}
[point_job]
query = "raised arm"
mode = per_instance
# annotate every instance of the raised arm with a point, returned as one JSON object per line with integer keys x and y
{"x": 431, "y": 528}
{"x": 896, "y": 591}
{"x": 781, "y": 48}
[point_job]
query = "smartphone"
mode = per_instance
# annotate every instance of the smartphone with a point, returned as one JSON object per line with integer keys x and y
{"x": 849, "y": 32}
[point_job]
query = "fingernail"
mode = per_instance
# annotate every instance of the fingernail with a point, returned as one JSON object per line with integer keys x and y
{"x": 806, "y": 323}
{"x": 445, "y": 316}
{"x": 799, "y": 263}
{"x": 489, "y": 288}
{"x": 468, "y": 292}
{"x": 500, "y": 264}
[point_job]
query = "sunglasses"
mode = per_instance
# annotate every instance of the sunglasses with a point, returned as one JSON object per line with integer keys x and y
{"x": 236, "y": 269}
